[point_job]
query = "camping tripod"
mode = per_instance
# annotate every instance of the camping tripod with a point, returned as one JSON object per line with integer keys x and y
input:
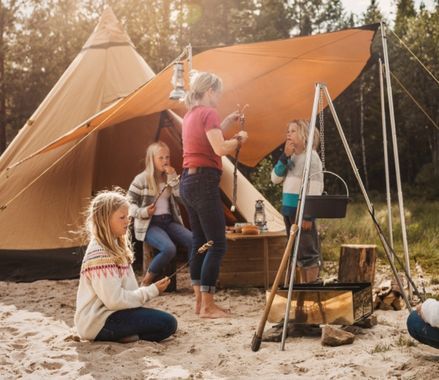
{"x": 321, "y": 88}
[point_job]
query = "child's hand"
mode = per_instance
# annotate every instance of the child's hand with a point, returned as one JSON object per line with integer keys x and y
{"x": 289, "y": 148}
{"x": 151, "y": 210}
{"x": 163, "y": 284}
{"x": 169, "y": 170}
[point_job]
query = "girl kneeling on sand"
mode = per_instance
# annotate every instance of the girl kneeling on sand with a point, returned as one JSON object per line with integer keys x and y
{"x": 109, "y": 303}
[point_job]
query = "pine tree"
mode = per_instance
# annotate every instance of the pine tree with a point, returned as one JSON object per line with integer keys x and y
{"x": 9, "y": 18}
{"x": 317, "y": 16}
{"x": 405, "y": 11}
{"x": 373, "y": 13}
{"x": 273, "y": 20}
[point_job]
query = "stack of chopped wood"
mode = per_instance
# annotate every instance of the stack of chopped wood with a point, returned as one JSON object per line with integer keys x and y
{"x": 387, "y": 296}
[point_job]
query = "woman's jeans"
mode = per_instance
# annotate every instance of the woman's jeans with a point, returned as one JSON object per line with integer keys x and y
{"x": 149, "y": 324}
{"x": 422, "y": 331}
{"x": 163, "y": 233}
{"x": 201, "y": 195}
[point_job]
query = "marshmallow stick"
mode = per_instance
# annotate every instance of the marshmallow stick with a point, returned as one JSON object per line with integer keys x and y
{"x": 201, "y": 251}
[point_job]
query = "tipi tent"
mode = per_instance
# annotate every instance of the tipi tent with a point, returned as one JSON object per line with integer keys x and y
{"x": 42, "y": 199}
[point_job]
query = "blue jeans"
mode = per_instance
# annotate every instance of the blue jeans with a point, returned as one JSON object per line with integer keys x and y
{"x": 201, "y": 195}
{"x": 149, "y": 324}
{"x": 422, "y": 331}
{"x": 162, "y": 234}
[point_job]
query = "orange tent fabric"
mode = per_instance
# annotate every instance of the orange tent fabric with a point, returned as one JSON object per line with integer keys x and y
{"x": 275, "y": 78}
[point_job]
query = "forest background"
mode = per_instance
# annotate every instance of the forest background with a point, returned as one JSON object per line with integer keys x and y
{"x": 40, "y": 38}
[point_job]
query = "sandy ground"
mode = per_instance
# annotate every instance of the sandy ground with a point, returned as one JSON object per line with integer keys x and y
{"x": 37, "y": 340}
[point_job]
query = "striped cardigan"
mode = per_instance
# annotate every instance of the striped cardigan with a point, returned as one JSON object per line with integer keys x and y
{"x": 140, "y": 196}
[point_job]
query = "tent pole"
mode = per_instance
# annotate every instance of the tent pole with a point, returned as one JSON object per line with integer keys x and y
{"x": 395, "y": 151}
{"x": 301, "y": 208}
{"x": 366, "y": 197}
{"x": 386, "y": 156}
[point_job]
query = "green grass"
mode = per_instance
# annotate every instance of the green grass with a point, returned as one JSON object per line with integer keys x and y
{"x": 404, "y": 341}
{"x": 422, "y": 222}
{"x": 380, "y": 347}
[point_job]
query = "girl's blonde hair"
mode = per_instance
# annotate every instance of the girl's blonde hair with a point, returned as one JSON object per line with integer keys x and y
{"x": 201, "y": 82}
{"x": 152, "y": 150}
{"x": 303, "y": 132}
{"x": 101, "y": 208}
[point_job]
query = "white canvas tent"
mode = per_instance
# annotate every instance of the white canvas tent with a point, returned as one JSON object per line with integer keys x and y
{"x": 40, "y": 205}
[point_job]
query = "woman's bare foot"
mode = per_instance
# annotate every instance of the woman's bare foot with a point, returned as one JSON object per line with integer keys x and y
{"x": 214, "y": 311}
{"x": 209, "y": 309}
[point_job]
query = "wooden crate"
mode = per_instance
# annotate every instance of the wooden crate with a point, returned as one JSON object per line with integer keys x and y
{"x": 252, "y": 260}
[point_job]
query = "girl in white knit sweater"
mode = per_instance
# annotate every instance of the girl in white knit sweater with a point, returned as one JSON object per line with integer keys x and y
{"x": 289, "y": 170}
{"x": 109, "y": 303}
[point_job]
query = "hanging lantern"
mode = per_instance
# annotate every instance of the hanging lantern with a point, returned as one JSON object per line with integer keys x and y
{"x": 260, "y": 218}
{"x": 177, "y": 81}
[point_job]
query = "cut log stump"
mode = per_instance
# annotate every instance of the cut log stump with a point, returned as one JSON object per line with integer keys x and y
{"x": 357, "y": 263}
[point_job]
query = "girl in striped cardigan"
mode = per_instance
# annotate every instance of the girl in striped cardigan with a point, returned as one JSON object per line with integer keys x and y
{"x": 158, "y": 223}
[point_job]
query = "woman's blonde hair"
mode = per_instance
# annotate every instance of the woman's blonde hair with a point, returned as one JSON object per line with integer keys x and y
{"x": 303, "y": 132}
{"x": 101, "y": 208}
{"x": 152, "y": 150}
{"x": 201, "y": 82}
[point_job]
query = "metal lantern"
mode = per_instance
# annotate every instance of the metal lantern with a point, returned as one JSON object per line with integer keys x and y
{"x": 260, "y": 218}
{"x": 177, "y": 81}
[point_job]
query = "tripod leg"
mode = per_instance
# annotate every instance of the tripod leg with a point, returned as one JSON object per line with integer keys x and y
{"x": 365, "y": 195}
{"x": 257, "y": 338}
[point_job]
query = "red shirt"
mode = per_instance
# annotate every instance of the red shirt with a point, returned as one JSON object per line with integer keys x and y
{"x": 197, "y": 151}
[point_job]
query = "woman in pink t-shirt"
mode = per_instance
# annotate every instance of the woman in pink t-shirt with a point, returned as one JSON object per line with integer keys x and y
{"x": 203, "y": 146}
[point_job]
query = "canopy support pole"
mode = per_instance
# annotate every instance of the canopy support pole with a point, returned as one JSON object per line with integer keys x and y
{"x": 395, "y": 151}
{"x": 386, "y": 156}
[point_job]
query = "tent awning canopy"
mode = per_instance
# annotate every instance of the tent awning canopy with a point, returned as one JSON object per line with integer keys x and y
{"x": 276, "y": 78}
